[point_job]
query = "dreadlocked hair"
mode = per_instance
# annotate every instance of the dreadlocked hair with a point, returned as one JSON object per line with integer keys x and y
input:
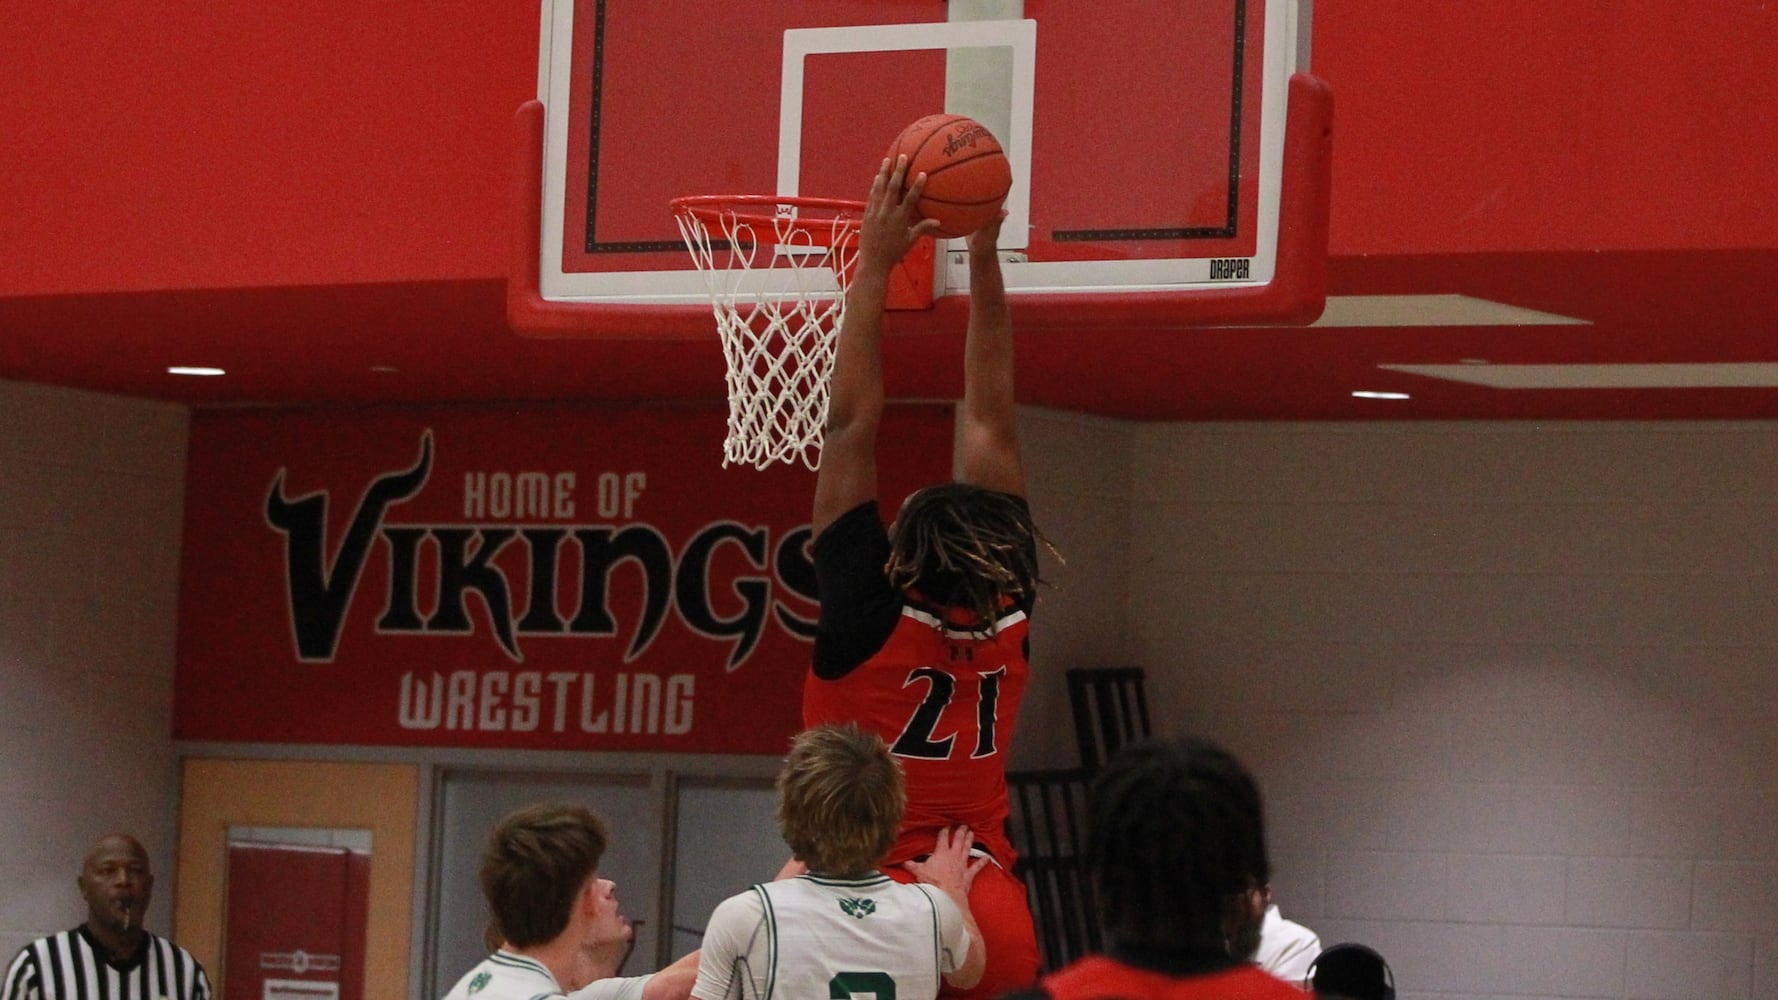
{"x": 1175, "y": 830}
{"x": 966, "y": 546}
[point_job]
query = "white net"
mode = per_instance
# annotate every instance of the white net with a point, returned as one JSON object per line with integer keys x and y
{"x": 776, "y": 270}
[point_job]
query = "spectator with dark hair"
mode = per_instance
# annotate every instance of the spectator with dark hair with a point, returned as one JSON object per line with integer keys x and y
{"x": 1176, "y": 848}
{"x": 557, "y": 923}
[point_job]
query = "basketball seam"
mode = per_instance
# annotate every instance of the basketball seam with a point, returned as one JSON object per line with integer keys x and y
{"x": 962, "y": 204}
{"x": 928, "y": 202}
{"x": 931, "y": 134}
{"x": 954, "y": 164}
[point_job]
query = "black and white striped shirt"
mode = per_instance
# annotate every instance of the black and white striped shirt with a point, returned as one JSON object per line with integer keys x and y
{"x": 69, "y": 966}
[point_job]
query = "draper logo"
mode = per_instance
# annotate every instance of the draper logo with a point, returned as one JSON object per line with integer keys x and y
{"x": 1229, "y": 269}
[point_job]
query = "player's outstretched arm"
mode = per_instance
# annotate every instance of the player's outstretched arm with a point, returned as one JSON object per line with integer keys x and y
{"x": 951, "y": 870}
{"x": 848, "y": 473}
{"x": 673, "y": 982}
{"x": 989, "y": 438}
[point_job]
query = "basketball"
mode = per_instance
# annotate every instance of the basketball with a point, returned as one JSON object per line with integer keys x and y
{"x": 967, "y": 175}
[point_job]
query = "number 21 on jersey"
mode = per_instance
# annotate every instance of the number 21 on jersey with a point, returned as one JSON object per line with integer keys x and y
{"x": 920, "y": 737}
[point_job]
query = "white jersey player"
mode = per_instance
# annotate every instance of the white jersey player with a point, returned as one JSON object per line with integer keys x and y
{"x": 560, "y": 929}
{"x": 814, "y": 936}
{"x": 844, "y": 929}
{"x": 506, "y": 976}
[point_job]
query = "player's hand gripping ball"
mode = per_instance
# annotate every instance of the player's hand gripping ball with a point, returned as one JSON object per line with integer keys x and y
{"x": 967, "y": 175}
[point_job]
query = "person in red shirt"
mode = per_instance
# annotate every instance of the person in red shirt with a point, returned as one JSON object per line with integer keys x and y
{"x": 1176, "y": 852}
{"x": 922, "y": 635}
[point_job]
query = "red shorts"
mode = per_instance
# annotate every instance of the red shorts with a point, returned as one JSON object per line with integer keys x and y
{"x": 1003, "y": 915}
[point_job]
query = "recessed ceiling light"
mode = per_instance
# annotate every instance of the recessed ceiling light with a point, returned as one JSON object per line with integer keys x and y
{"x": 1368, "y": 394}
{"x": 194, "y": 370}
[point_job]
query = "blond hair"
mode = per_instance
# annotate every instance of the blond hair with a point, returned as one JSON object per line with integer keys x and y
{"x": 840, "y": 798}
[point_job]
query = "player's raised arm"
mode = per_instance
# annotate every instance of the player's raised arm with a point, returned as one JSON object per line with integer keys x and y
{"x": 848, "y": 473}
{"x": 673, "y": 982}
{"x": 989, "y": 440}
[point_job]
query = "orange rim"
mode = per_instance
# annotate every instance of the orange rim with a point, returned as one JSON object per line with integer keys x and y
{"x": 761, "y": 210}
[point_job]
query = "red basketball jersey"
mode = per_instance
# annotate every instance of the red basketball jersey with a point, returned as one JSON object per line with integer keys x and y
{"x": 1099, "y": 978}
{"x": 944, "y": 698}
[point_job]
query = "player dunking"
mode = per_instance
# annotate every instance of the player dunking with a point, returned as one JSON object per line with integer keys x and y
{"x": 922, "y": 636}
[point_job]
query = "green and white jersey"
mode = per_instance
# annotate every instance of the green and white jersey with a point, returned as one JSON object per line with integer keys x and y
{"x": 506, "y": 976}
{"x": 819, "y": 937}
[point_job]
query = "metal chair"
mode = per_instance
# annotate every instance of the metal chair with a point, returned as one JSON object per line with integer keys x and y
{"x": 1110, "y": 709}
{"x": 1048, "y": 812}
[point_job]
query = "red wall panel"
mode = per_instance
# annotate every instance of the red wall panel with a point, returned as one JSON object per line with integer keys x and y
{"x": 231, "y": 144}
{"x": 1503, "y": 125}
{"x": 152, "y": 146}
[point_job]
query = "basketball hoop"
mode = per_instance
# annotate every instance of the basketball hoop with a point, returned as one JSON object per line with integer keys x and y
{"x": 776, "y": 269}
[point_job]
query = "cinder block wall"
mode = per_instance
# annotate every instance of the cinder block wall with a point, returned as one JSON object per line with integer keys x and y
{"x": 1512, "y": 689}
{"x": 91, "y": 490}
{"x": 1078, "y": 480}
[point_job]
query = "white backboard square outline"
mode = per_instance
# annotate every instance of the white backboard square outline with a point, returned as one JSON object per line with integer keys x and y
{"x": 1284, "y": 50}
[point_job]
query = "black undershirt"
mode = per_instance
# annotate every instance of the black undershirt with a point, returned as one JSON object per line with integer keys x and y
{"x": 859, "y": 607}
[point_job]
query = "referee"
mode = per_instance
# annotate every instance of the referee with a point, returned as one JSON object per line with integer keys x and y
{"x": 110, "y": 957}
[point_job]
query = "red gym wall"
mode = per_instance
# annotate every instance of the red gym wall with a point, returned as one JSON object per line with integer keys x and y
{"x": 235, "y": 144}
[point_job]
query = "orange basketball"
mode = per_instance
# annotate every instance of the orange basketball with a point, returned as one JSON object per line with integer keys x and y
{"x": 967, "y": 175}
